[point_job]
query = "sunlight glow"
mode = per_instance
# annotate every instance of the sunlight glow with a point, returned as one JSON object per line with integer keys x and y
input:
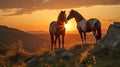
{"x": 71, "y": 25}
{"x": 66, "y": 26}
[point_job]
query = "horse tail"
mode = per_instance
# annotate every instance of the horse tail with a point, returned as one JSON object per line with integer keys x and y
{"x": 99, "y": 31}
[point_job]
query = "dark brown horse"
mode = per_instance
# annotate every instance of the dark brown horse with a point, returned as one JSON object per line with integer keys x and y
{"x": 84, "y": 26}
{"x": 56, "y": 29}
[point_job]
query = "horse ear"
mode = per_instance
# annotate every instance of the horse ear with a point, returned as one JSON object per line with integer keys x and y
{"x": 62, "y": 11}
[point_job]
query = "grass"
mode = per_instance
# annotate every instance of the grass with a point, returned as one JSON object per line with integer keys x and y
{"x": 15, "y": 57}
{"x": 108, "y": 57}
{"x": 108, "y": 62}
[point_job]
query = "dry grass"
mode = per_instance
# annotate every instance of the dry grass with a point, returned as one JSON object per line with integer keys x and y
{"x": 14, "y": 57}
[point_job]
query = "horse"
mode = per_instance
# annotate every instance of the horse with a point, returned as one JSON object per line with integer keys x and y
{"x": 85, "y": 26}
{"x": 56, "y": 29}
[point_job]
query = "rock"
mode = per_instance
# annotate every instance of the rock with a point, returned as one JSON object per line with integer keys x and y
{"x": 59, "y": 50}
{"x": 117, "y": 24}
{"x": 63, "y": 53}
{"x": 58, "y": 54}
{"x": 52, "y": 57}
{"x": 67, "y": 54}
{"x": 30, "y": 59}
{"x": 111, "y": 39}
{"x": 41, "y": 59}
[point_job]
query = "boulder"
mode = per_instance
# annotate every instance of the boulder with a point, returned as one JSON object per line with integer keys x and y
{"x": 59, "y": 50}
{"x": 63, "y": 53}
{"x": 52, "y": 57}
{"x": 60, "y": 53}
{"x": 67, "y": 54}
{"x": 110, "y": 40}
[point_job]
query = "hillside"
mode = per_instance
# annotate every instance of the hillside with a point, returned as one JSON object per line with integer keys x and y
{"x": 11, "y": 35}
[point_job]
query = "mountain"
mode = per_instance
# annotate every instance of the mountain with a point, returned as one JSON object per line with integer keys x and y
{"x": 12, "y": 35}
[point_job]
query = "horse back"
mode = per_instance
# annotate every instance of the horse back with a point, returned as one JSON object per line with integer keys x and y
{"x": 92, "y": 23}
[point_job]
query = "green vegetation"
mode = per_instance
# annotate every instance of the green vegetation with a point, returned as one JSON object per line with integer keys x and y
{"x": 108, "y": 57}
{"x": 108, "y": 62}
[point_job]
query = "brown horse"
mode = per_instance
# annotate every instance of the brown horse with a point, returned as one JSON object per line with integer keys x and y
{"x": 84, "y": 26}
{"x": 56, "y": 29}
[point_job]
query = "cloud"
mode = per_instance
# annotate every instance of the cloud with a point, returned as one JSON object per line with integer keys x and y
{"x": 111, "y": 20}
{"x": 28, "y": 6}
{"x": 44, "y": 1}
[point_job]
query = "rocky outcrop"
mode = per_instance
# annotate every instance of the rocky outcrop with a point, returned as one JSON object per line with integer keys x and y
{"x": 109, "y": 41}
{"x": 112, "y": 38}
{"x": 58, "y": 54}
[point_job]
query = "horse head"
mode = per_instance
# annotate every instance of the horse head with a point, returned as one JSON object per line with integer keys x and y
{"x": 75, "y": 14}
{"x": 71, "y": 14}
{"x": 62, "y": 17}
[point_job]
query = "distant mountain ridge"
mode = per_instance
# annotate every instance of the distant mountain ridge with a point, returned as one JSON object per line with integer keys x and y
{"x": 11, "y": 35}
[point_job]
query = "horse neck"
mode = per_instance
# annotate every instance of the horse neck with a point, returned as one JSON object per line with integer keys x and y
{"x": 79, "y": 18}
{"x": 60, "y": 23}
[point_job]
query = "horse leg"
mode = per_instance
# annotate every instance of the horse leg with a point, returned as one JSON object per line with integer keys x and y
{"x": 94, "y": 33}
{"x": 80, "y": 32}
{"x": 55, "y": 41}
{"x": 63, "y": 41}
{"x": 82, "y": 41}
{"x": 52, "y": 40}
{"x": 59, "y": 41}
{"x": 81, "y": 37}
{"x": 85, "y": 37}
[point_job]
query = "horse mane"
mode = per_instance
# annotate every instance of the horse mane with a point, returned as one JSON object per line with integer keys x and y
{"x": 78, "y": 14}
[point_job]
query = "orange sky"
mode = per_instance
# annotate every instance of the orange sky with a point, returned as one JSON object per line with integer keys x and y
{"x": 39, "y": 20}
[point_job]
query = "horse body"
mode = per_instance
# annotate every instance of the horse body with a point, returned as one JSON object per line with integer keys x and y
{"x": 56, "y": 29}
{"x": 85, "y": 26}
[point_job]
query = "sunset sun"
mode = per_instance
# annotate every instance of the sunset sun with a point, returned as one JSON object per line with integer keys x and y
{"x": 66, "y": 26}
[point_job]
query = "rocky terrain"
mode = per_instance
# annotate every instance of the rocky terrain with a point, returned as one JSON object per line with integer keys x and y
{"x": 110, "y": 40}
{"x": 107, "y": 49}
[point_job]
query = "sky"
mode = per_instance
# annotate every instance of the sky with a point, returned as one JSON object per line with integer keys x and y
{"x": 36, "y": 15}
